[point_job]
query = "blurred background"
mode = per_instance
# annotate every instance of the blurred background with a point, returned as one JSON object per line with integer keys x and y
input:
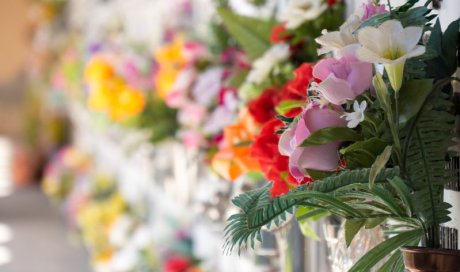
{"x": 83, "y": 188}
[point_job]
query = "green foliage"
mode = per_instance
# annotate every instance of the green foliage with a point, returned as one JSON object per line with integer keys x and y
{"x": 379, "y": 164}
{"x": 331, "y": 134}
{"x": 252, "y": 34}
{"x": 386, "y": 248}
{"x": 425, "y": 152}
{"x": 445, "y": 46}
{"x": 160, "y": 118}
{"x": 259, "y": 209}
{"x": 411, "y": 97}
{"x": 352, "y": 227}
{"x": 363, "y": 153}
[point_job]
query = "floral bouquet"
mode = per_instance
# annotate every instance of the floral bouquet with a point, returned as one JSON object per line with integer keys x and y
{"x": 371, "y": 140}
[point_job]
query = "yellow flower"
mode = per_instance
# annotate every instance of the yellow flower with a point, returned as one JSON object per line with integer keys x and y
{"x": 171, "y": 60}
{"x": 98, "y": 69}
{"x": 128, "y": 103}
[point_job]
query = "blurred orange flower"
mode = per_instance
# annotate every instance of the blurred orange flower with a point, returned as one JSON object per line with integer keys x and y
{"x": 234, "y": 159}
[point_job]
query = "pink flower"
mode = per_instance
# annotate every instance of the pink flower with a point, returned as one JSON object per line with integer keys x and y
{"x": 192, "y": 139}
{"x": 343, "y": 79}
{"x": 191, "y": 114}
{"x": 321, "y": 157}
{"x": 207, "y": 86}
{"x": 370, "y": 9}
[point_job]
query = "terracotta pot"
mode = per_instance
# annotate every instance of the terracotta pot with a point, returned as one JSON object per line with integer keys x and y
{"x": 423, "y": 259}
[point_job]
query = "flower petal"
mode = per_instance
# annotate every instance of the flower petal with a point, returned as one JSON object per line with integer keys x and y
{"x": 360, "y": 77}
{"x": 323, "y": 68}
{"x": 336, "y": 90}
{"x": 285, "y": 146}
{"x": 410, "y": 37}
{"x": 417, "y": 51}
{"x": 374, "y": 40}
{"x": 366, "y": 55}
{"x": 322, "y": 157}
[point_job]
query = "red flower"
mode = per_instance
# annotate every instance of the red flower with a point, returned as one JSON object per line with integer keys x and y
{"x": 279, "y": 34}
{"x": 262, "y": 109}
{"x": 272, "y": 163}
{"x": 332, "y": 2}
{"x": 296, "y": 89}
{"x": 177, "y": 264}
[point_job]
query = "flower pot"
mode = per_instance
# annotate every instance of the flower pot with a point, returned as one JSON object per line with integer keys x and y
{"x": 422, "y": 259}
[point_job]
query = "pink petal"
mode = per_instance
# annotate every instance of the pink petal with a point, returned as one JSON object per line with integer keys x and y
{"x": 336, "y": 90}
{"x": 360, "y": 77}
{"x": 285, "y": 144}
{"x": 322, "y": 157}
{"x": 324, "y": 68}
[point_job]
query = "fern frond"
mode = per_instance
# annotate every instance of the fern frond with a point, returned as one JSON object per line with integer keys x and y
{"x": 425, "y": 164}
{"x": 259, "y": 209}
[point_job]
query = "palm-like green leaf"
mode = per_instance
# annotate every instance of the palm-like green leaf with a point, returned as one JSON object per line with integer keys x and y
{"x": 258, "y": 209}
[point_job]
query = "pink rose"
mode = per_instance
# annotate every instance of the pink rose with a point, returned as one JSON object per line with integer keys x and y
{"x": 370, "y": 9}
{"x": 343, "y": 79}
{"x": 321, "y": 157}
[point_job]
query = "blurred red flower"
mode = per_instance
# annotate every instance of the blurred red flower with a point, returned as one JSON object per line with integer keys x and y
{"x": 279, "y": 34}
{"x": 262, "y": 109}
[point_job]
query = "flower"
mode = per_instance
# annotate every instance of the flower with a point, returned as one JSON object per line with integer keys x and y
{"x": 390, "y": 44}
{"x": 335, "y": 40}
{"x": 296, "y": 89}
{"x": 279, "y": 34}
{"x": 343, "y": 79}
{"x": 191, "y": 114}
{"x": 262, "y": 66}
{"x": 356, "y": 117}
{"x": 300, "y": 11}
{"x": 262, "y": 108}
{"x": 274, "y": 165}
{"x": 319, "y": 157}
{"x": 207, "y": 86}
{"x": 371, "y": 9}
{"x": 234, "y": 159}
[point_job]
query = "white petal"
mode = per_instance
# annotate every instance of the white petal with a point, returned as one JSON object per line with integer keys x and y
{"x": 391, "y": 26}
{"x": 411, "y": 36}
{"x": 353, "y": 123}
{"x": 356, "y": 106}
{"x": 417, "y": 51}
{"x": 330, "y": 39}
{"x": 363, "y": 105}
{"x": 374, "y": 40}
{"x": 365, "y": 55}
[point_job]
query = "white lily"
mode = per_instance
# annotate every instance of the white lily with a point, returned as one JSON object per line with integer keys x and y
{"x": 356, "y": 117}
{"x": 391, "y": 45}
{"x": 262, "y": 66}
{"x": 300, "y": 11}
{"x": 336, "y": 40}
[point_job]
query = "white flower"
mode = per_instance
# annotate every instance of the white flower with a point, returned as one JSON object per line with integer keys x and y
{"x": 390, "y": 44}
{"x": 356, "y": 117}
{"x": 118, "y": 233}
{"x": 336, "y": 40}
{"x": 299, "y": 11}
{"x": 262, "y": 66}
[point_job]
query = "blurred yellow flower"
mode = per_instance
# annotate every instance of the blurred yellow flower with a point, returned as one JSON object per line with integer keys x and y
{"x": 171, "y": 60}
{"x": 98, "y": 70}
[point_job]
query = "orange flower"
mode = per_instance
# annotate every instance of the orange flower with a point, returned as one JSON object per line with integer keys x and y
{"x": 235, "y": 159}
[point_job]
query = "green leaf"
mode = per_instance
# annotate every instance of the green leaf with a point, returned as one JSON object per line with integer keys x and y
{"x": 374, "y": 222}
{"x": 331, "y": 134}
{"x": 307, "y": 230}
{"x": 287, "y": 105}
{"x": 403, "y": 192}
{"x": 304, "y": 213}
{"x": 237, "y": 79}
{"x": 385, "y": 248}
{"x": 411, "y": 97}
{"x": 363, "y": 153}
{"x": 317, "y": 174}
{"x": 379, "y": 164}
{"x": 252, "y": 34}
{"x": 352, "y": 227}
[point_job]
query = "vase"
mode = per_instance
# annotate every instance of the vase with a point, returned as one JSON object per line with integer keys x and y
{"x": 422, "y": 259}
{"x": 341, "y": 257}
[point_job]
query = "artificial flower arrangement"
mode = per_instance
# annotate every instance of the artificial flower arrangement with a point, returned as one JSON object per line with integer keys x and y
{"x": 114, "y": 231}
{"x": 250, "y": 144}
{"x": 196, "y": 89}
{"x": 371, "y": 139}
